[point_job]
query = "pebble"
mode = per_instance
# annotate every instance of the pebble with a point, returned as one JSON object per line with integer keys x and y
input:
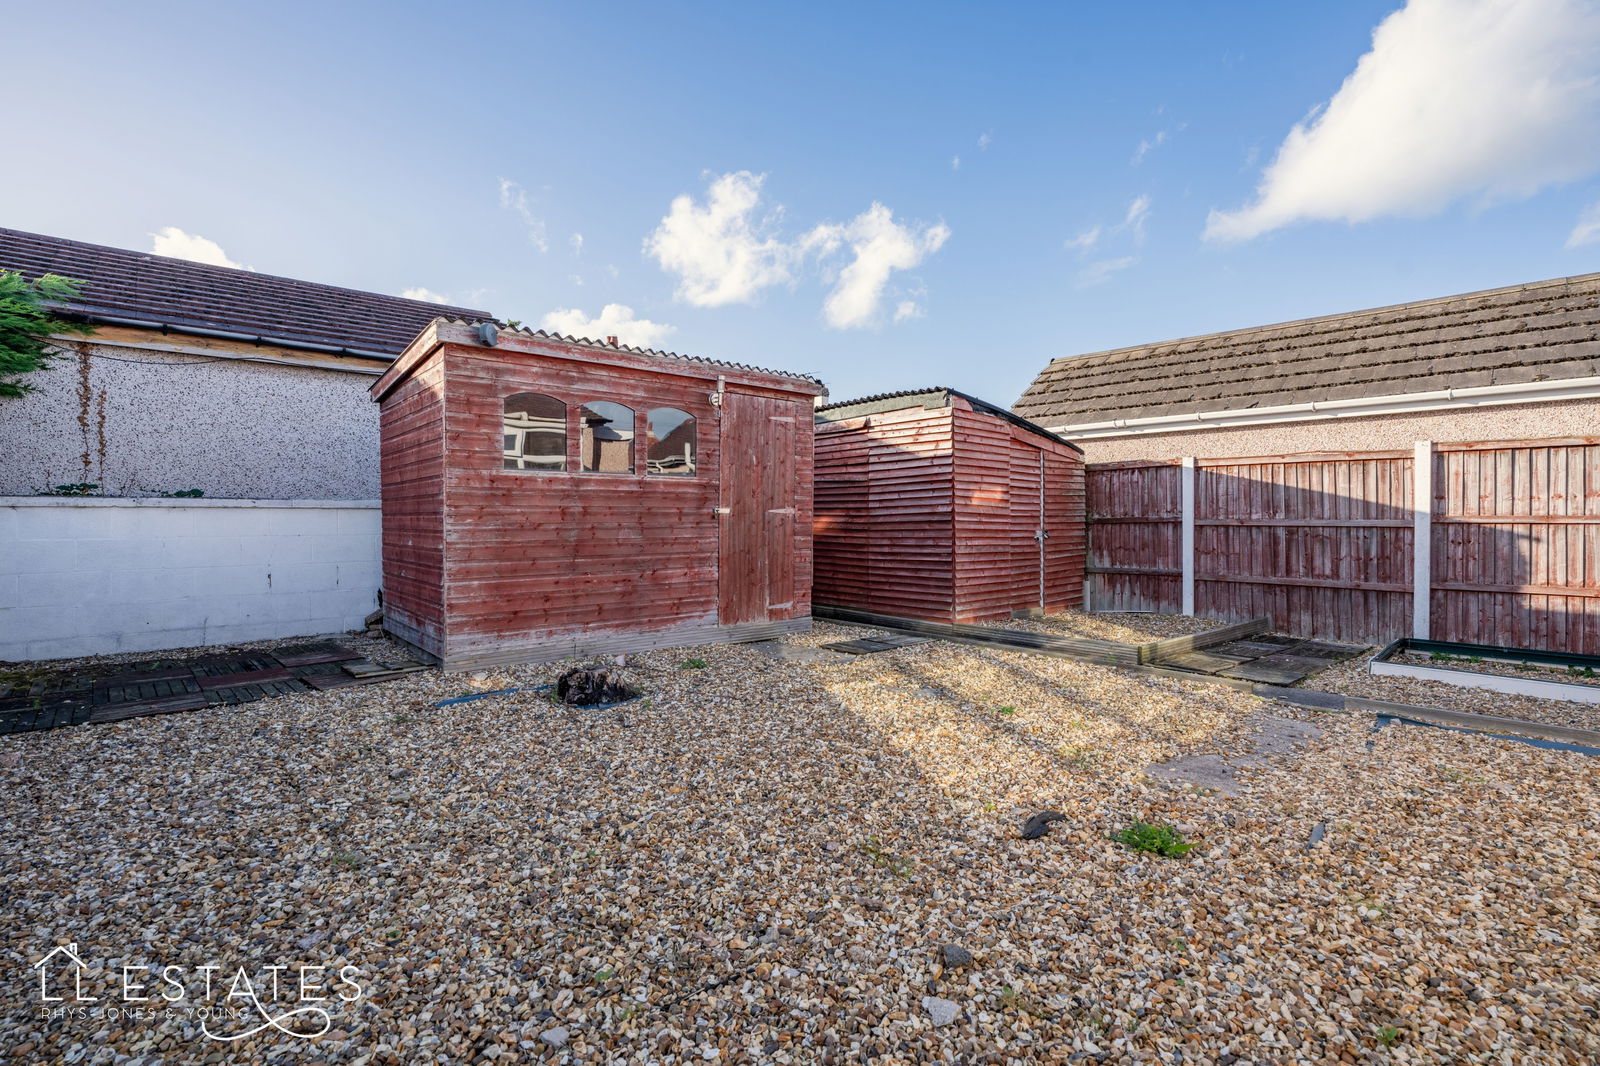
{"x": 556, "y": 1037}
{"x": 955, "y": 956}
{"x": 940, "y": 1011}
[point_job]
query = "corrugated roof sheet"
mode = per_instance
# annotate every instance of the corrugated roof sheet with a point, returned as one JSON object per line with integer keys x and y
{"x": 652, "y": 352}
{"x": 120, "y": 283}
{"x": 1548, "y": 330}
{"x": 938, "y": 396}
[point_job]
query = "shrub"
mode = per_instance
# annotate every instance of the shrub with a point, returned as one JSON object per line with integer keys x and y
{"x": 27, "y": 321}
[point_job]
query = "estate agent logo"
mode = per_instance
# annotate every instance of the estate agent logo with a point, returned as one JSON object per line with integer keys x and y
{"x": 230, "y": 1004}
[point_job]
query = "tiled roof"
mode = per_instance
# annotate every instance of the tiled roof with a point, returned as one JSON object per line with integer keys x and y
{"x": 653, "y": 352}
{"x": 1548, "y": 330}
{"x": 146, "y": 288}
{"x": 933, "y": 398}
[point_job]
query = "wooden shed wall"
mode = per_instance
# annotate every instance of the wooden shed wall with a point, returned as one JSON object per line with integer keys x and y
{"x": 412, "y": 477}
{"x": 998, "y": 498}
{"x": 930, "y": 514}
{"x": 884, "y": 513}
{"x": 572, "y": 561}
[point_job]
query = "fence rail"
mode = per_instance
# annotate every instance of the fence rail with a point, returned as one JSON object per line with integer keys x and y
{"x": 1327, "y": 544}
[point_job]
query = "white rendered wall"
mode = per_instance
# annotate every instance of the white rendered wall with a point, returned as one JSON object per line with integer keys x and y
{"x": 97, "y": 576}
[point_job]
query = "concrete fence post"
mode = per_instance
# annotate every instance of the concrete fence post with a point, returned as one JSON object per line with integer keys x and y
{"x": 1186, "y": 544}
{"x": 1422, "y": 539}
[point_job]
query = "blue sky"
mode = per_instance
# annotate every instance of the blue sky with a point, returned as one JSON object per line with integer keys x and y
{"x": 781, "y": 187}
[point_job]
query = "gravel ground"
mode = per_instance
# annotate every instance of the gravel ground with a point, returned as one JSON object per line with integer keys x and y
{"x": 1352, "y": 679}
{"x": 1532, "y": 671}
{"x": 1125, "y": 628}
{"x": 760, "y": 860}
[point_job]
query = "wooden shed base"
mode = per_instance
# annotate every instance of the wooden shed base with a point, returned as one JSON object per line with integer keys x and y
{"x": 588, "y": 644}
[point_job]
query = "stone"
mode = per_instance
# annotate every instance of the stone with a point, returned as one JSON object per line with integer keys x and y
{"x": 955, "y": 955}
{"x": 399, "y": 773}
{"x": 940, "y": 1011}
{"x": 1039, "y": 824}
{"x": 556, "y": 1037}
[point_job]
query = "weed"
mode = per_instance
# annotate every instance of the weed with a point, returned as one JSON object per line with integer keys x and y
{"x": 1459, "y": 776}
{"x": 1388, "y": 1036}
{"x": 694, "y": 664}
{"x": 82, "y": 488}
{"x": 1161, "y": 840}
{"x": 604, "y": 974}
{"x": 1006, "y": 710}
{"x": 348, "y": 860}
{"x": 1178, "y": 944}
{"x": 989, "y": 807}
{"x": 1586, "y": 672}
{"x": 898, "y": 865}
{"x": 402, "y": 719}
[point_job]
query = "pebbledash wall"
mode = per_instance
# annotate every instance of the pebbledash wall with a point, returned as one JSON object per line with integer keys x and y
{"x": 1531, "y": 421}
{"x": 139, "y": 420}
{"x": 98, "y": 576}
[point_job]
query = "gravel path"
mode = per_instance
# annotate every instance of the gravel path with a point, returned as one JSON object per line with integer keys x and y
{"x": 761, "y": 861}
{"x": 1124, "y": 628}
{"x": 1352, "y": 679}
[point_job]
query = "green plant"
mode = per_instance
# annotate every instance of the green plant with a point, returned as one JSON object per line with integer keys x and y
{"x": 1388, "y": 1036}
{"x": 694, "y": 664}
{"x": 604, "y": 974}
{"x": 347, "y": 860}
{"x": 83, "y": 488}
{"x": 898, "y": 865}
{"x": 185, "y": 494}
{"x": 1161, "y": 840}
{"x": 1006, "y": 710}
{"x": 1080, "y": 755}
{"x": 27, "y": 322}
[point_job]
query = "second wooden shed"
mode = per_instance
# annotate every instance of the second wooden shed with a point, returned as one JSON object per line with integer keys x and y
{"x": 545, "y": 496}
{"x": 937, "y": 506}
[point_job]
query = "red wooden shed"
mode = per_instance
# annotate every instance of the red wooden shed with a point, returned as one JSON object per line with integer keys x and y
{"x": 545, "y": 496}
{"x": 938, "y": 506}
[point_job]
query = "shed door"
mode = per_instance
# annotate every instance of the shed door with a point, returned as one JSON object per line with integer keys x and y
{"x": 755, "y": 572}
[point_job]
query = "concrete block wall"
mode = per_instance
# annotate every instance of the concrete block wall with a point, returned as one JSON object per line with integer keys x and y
{"x": 97, "y": 576}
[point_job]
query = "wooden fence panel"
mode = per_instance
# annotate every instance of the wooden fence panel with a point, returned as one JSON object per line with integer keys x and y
{"x": 1322, "y": 543}
{"x": 1516, "y": 544}
{"x": 1135, "y": 537}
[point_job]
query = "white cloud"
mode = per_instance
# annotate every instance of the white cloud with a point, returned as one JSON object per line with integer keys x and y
{"x": 1084, "y": 241}
{"x": 881, "y": 246}
{"x": 1488, "y": 98}
{"x": 577, "y": 243}
{"x": 425, "y": 295}
{"x": 955, "y": 162}
{"x": 983, "y": 142}
{"x": 174, "y": 242}
{"x": 721, "y": 253}
{"x": 908, "y": 309}
{"x": 1134, "y": 220}
{"x": 514, "y": 198}
{"x": 1587, "y": 231}
{"x": 1102, "y": 269}
{"x": 1147, "y": 146}
{"x": 614, "y": 320}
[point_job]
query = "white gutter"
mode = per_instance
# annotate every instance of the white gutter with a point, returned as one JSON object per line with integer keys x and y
{"x": 1321, "y": 410}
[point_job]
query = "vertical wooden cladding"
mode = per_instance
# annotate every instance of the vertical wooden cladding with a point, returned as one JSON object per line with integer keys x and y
{"x": 930, "y": 513}
{"x": 1516, "y": 544}
{"x": 1135, "y": 537}
{"x": 1321, "y": 545}
{"x": 540, "y": 563}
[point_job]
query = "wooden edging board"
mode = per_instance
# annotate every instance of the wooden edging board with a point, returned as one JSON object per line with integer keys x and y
{"x": 1310, "y": 699}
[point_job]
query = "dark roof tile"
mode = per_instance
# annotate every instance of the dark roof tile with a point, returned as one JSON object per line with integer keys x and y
{"x": 140, "y": 286}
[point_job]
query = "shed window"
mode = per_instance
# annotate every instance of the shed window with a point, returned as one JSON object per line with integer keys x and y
{"x": 535, "y": 433}
{"x": 672, "y": 443}
{"x": 607, "y": 438}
